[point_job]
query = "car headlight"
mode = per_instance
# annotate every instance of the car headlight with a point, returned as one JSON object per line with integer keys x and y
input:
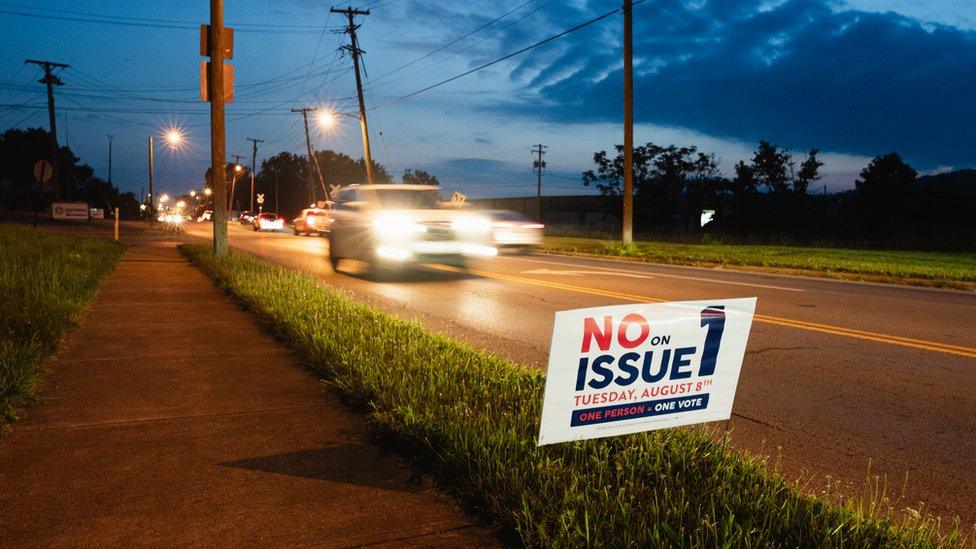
{"x": 397, "y": 226}
{"x": 471, "y": 224}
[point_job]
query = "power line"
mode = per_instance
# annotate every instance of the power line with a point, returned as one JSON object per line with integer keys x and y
{"x": 101, "y": 19}
{"x": 455, "y": 41}
{"x": 503, "y": 58}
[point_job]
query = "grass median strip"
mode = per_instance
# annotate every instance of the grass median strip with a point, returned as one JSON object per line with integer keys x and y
{"x": 918, "y": 268}
{"x": 472, "y": 418}
{"x": 46, "y": 280}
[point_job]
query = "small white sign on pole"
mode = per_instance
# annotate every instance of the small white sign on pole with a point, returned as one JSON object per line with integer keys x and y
{"x": 630, "y": 368}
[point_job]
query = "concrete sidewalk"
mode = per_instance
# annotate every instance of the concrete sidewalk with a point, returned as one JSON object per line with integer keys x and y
{"x": 174, "y": 420}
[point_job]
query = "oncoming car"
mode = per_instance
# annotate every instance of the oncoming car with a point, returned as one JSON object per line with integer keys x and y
{"x": 389, "y": 226}
{"x": 268, "y": 222}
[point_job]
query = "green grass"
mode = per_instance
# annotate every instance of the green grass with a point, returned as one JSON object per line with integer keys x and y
{"x": 929, "y": 268}
{"x": 471, "y": 418}
{"x": 46, "y": 280}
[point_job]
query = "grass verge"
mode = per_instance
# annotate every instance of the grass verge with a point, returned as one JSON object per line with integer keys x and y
{"x": 46, "y": 280}
{"x": 956, "y": 270}
{"x": 472, "y": 418}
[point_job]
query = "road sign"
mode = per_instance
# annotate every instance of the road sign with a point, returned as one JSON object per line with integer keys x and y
{"x": 43, "y": 171}
{"x": 631, "y": 368}
{"x": 260, "y": 198}
{"x": 228, "y": 41}
{"x": 205, "y": 82}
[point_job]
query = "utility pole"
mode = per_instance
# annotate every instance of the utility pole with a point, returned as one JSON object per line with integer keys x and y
{"x": 628, "y": 214}
{"x": 51, "y": 80}
{"x": 233, "y": 182}
{"x": 218, "y": 145}
{"x": 110, "y": 137}
{"x": 254, "y": 157}
{"x": 152, "y": 197}
{"x": 313, "y": 163}
{"x": 353, "y": 49}
{"x": 539, "y": 165}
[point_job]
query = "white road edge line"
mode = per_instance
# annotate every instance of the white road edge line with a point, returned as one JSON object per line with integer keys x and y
{"x": 656, "y": 274}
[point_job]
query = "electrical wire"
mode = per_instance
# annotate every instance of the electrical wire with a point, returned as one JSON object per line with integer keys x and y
{"x": 455, "y": 41}
{"x": 502, "y": 58}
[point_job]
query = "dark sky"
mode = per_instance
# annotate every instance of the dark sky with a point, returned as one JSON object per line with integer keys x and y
{"x": 854, "y": 79}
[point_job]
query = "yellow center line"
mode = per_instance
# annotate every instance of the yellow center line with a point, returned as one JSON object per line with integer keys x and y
{"x": 958, "y": 350}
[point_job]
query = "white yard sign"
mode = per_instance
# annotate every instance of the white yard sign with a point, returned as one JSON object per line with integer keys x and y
{"x": 630, "y": 368}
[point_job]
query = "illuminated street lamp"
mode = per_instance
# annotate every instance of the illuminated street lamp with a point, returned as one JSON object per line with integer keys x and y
{"x": 174, "y": 139}
{"x": 180, "y": 205}
{"x": 163, "y": 199}
{"x": 207, "y": 191}
{"x": 326, "y": 119}
{"x": 193, "y": 194}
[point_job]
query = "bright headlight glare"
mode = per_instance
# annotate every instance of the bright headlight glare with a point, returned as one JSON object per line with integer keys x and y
{"x": 397, "y": 226}
{"x": 471, "y": 224}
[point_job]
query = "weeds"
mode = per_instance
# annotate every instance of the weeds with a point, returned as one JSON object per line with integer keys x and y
{"x": 472, "y": 417}
{"x": 46, "y": 280}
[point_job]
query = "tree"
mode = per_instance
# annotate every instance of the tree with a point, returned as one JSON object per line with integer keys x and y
{"x": 419, "y": 177}
{"x": 771, "y": 166}
{"x": 672, "y": 183}
{"x": 809, "y": 172}
{"x": 884, "y": 193}
{"x": 340, "y": 169}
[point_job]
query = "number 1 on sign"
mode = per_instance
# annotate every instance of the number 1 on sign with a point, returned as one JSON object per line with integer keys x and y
{"x": 714, "y": 318}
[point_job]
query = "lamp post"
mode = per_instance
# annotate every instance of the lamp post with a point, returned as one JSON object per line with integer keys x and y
{"x": 174, "y": 139}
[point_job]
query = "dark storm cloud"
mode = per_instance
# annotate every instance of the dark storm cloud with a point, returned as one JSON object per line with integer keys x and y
{"x": 797, "y": 72}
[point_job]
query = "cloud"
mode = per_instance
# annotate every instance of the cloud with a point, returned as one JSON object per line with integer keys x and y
{"x": 799, "y": 73}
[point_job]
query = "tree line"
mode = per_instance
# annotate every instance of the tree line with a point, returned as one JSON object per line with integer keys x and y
{"x": 282, "y": 178}
{"x": 772, "y": 196}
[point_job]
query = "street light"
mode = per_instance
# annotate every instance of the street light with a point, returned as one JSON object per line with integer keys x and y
{"x": 207, "y": 191}
{"x": 326, "y": 119}
{"x": 174, "y": 138}
{"x": 193, "y": 194}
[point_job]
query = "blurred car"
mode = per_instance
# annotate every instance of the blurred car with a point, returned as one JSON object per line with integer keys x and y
{"x": 515, "y": 230}
{"x": 390, "y": 226}
{"x": 268, "y": 222}
{"x": 246, "y": 217}
{"x": 312, "y": 220}
{"x": 205, "y": 216}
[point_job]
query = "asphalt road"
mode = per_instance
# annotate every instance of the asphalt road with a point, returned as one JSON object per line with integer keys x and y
{"x": 841, "y": 380}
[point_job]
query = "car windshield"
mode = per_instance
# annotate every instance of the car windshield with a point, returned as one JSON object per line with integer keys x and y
{"x": 270, "y": 217}
{"x": 400, "y": 199}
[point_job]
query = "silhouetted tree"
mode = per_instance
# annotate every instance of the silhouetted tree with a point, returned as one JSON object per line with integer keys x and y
{"x": 809, "y": 172}
{"x": 771, "y": 167}
{"x": 419, "y": 177}
{"x": 884, "y": 192}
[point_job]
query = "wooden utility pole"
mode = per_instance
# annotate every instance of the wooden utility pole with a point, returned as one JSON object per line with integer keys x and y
{"x": 353, "y": 49}
{"x": 254, "y": 158}
{"x": 233, "y": 182}
{"x": 627, "y": 235}
{"x": 218, "y": 145}
{"x": 152, "y": 197}
{"x": 110, "y": 137}
{"x": 50, "y": 80}
{"x": 539, "y": 165}
{"x": 312, "y": 162}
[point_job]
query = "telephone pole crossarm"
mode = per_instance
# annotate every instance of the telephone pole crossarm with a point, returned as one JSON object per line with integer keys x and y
{"x": 355, "y": 52}
{"x": 254, "y": 158}
{"x": 50, "y": 80}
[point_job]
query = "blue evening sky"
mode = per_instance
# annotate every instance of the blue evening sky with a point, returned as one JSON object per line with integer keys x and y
{"x": 853, "y": 78}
